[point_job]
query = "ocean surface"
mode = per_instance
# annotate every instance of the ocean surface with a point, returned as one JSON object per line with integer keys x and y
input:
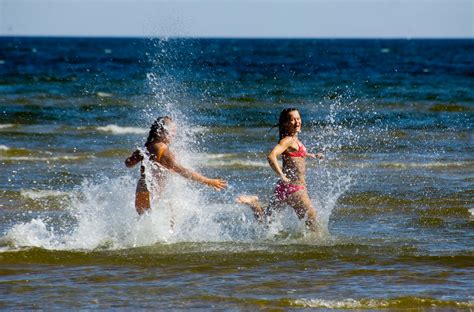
{"x": 395, "y": 192}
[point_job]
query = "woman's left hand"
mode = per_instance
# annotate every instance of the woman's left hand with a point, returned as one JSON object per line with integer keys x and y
{"x": 317, "y": 155}
{"x": 217, "y": 184}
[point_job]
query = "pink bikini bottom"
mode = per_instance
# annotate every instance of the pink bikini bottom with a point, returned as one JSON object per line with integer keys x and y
{"x": 283, "y": 190}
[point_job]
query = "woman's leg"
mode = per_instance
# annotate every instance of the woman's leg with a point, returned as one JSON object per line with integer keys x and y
{"x": 302, "y": 205}
{"x": 142, "y": 197}
{"x": 253, "y": 202}
{"x": 259, "y": 212}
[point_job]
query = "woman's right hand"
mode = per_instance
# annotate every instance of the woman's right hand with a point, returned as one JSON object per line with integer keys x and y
{"x": 217, "y": 184}
{"x": 285, "y": 179}
{"x": 134, "y": 159}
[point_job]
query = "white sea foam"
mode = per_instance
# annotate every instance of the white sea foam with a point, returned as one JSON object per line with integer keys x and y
{"x": 114, "y": 129}
{"x": 32, "y": 234}
{"x": 409, "y": 165}
{"x": 38, "y": 194}
{"x": 4, "y": 148}
{"x": 4, "y": 126}
{"x": 105, "y": 215}
{"x": 220, "y": 156}
{"x": 342, "y": 304}
{"x": 238, "y": 163}
{"x": 434, "y": 164}
{"x": 228, "y": 160}
{"x": 46, "y": 159}
{"x": 104, "y": 94}
{"x": 350, "y": 303}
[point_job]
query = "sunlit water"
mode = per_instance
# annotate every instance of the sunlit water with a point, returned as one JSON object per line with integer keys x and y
{"x": 394, "y": 192}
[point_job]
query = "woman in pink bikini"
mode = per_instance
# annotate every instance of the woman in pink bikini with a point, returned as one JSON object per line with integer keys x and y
{"x": 163, "y": 161}
{"x": 291, "y": 187}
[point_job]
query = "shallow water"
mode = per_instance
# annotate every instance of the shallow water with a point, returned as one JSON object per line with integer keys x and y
{"x": 395, "y": 191}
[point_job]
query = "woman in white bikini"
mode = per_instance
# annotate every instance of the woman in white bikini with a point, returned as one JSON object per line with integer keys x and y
{"x": 163, "y": 161}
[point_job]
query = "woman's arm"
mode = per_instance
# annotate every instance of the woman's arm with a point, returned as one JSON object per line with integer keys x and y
{"x": 272, "y": 157}
{"x": 317, "y": 155}
{"x": 168, "y": 160}
{"x": 134, "y": 159}
{"x": 217, "y": 184}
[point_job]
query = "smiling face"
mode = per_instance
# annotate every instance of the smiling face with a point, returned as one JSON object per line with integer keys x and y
{"x": 293, "y": 123}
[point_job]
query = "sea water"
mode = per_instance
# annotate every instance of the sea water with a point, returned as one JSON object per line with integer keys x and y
{"x": 393, "y": 193}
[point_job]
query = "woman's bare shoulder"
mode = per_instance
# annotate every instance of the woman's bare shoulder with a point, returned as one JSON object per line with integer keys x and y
{"x": 286, "y": 141}
{"x": 158, "y": 148}
{"x": 159, "y": 145}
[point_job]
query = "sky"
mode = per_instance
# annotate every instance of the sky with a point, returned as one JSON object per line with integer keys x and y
{"x": 239, "y": 18}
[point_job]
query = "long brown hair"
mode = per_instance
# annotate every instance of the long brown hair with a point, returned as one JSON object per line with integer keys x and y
{"x": 158, "y": 129}
{"x": 283, "y": 120}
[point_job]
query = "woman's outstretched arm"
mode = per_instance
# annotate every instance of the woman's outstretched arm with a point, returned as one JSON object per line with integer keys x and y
{"x": 168, "y": 160}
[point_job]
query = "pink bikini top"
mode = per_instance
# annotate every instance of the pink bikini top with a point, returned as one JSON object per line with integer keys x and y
{"x": 301, "y": 152}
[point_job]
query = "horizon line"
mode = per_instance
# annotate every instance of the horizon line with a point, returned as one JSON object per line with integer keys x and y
{"x": 231, "y": 37}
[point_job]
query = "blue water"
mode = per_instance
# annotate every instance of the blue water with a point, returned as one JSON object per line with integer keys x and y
{"x": 395, "y": 191}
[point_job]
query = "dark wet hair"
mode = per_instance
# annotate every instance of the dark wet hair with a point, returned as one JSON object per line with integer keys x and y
{"x": 284, "y": 117}
{"x": 158, "y": 128}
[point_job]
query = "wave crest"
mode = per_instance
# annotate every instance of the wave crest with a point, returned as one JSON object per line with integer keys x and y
{"x": 115, "y": 129}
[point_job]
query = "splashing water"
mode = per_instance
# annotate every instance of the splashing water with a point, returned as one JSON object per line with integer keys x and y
{"x": 333, "y": 181}
{"x": 100, "y": 214}
{"x": 103, "y": 213}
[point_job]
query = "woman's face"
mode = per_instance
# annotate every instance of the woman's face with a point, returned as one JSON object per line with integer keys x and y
{"x": 171, "y": 129}
{"x": 293, "y": 125}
